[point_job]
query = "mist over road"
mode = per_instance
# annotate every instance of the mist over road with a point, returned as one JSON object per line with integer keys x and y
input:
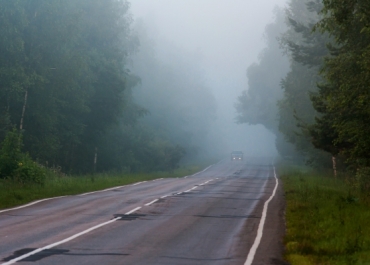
{"x": 211, "y": 217}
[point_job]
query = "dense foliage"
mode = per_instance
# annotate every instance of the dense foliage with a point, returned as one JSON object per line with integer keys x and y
{"x": 343, "y": 98}
{"x": 17, "y": 165}
{"x": 324, "y": 110}
{"x": 66, "y": 88}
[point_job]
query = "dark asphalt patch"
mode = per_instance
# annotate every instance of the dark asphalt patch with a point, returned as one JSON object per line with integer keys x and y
{"x": 128, "y": 217}
{"x": 36, "y": 257}
{"x": 51, "y": 252}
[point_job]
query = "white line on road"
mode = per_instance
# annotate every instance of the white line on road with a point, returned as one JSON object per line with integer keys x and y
{"x": 138, "y": 183}
{"x": 92, "y": 192}
{"x": 87, "y": 230}
{"x": 258, "y": 238}
{"x": 87, "y": 193}
{"x": 132, "y": 211}
{"x": 79, "y": 195}
{"x": 201, "y": 171}
{"x": 29, "y": 204}
{"x": 150, "y": 203}
{"x": 67, "y": 239}
{"x": 189, "y": 190}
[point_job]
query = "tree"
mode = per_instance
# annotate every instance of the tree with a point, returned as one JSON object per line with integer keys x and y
{"x": 306, "y": 50}
{"x": 259, "y": 105}
{"x": 63, "y": 75}
{"x": 344, "y": 95}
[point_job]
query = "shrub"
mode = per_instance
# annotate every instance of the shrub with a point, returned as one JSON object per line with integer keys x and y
{"x": 16, "y": 165}
{"x": 10, "y": 153}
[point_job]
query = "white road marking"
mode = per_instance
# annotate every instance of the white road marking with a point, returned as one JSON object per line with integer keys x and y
{"x": 79, "y": 195}
{"x": 201, "y": 171}
{"x": 92, "y": 192}
{"x": 189, "y": 190}
{"x": 87, "y": 230}
{"x": 67, "y": 239}
{"x": 205, "y": 183}
{"x": 132, "y": 211}
{"x": 29, "y": 204}
{"x": 150, "y": 203}
{"x": 258, "y": 238}
{"x": 156, "y": 179}
{"x": 138, "y": 183}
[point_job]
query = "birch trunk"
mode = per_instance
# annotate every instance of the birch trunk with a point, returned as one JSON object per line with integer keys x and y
{"x": 95, "y": 158}
{"x": 23, "y": 110}
{"x": 334, "y": 166}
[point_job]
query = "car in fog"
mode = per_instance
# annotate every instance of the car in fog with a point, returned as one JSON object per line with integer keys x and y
{"x": 236, "y": 155}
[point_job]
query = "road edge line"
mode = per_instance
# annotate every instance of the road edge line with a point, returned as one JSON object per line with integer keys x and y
{"x": 261, "y": 225}
{"x": 31, "y": 203}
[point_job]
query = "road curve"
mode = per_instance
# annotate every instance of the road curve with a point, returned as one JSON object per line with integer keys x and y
{"x": 211, "y": 217}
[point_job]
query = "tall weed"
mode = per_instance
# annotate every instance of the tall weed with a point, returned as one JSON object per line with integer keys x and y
{"x": 327, "y": 220}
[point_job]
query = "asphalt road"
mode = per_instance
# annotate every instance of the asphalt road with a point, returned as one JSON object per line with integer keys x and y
{"x": 212, "y": 217}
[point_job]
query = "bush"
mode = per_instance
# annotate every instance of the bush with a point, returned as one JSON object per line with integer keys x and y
{"x": 10, "y": 153}
{"x": 363, "y": 181}
{"x": 29, "y": 171}
{"x": 16, "y": 165}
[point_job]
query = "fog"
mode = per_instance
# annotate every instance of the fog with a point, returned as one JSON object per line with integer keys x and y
{"x": 223, "y": 38}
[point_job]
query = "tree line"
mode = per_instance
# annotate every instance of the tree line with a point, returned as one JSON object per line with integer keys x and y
{"x": 67, "y": 91}
{"x": 321, "y": 102}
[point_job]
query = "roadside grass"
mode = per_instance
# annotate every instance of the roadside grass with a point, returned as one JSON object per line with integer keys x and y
{"x": 328, "y": 219}
{"x": 14, "y": 194}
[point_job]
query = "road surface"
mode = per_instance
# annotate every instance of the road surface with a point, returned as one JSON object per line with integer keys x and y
{"x": 212, "y": 217}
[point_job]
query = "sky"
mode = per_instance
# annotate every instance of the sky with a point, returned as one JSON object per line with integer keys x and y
{"x": 227, "y": 37}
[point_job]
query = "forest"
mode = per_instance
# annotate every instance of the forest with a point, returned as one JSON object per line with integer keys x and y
{"x": 82, "y": 89}
{"x": 68, "y": 74}
{"x": 319, "y": 96}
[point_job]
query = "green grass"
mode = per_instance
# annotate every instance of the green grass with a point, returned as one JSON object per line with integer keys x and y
{"x": 328, "y": 220}
{"x": 13, "y": 194}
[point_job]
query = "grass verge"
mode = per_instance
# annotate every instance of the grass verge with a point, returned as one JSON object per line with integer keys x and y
{"x": 327, "y": 220}
{"x": 14, "y": 194}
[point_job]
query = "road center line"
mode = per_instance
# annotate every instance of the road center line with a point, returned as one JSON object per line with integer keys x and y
{"x": 134, "y": 210}
{"x": 67, "y": 239}
{"x": 87, "y": 193}
{"x": 201, "y": 171}
{"x": 258, "y": 238}
{"x": 150, "y": 203}
{"x": 91, "y": 228}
